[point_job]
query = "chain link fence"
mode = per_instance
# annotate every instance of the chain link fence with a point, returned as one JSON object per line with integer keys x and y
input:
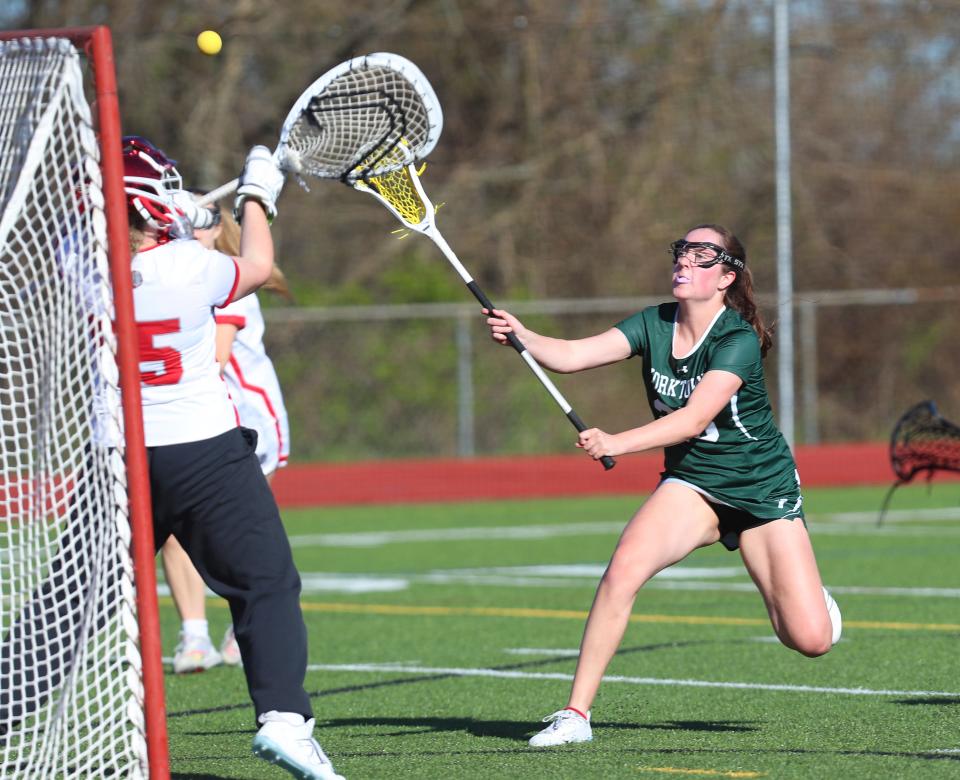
{"x": 425, "y": 380}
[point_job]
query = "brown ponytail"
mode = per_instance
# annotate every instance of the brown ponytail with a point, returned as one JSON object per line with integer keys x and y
{"x": 739, "y": 295}
{"x": 228, "y": 242}
{"x": 137, "y": 227}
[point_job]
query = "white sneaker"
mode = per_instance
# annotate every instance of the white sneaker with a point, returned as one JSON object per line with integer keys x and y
{"x": 565, "y": 726}
{"x": 836, "y": 621}
{"x": 286, "y": 740}
{"x": 229, "y": 648}
{"x": 194, "y": 654}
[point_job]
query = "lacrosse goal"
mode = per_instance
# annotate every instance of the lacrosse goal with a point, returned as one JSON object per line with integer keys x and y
{"x": 81, "y": 687}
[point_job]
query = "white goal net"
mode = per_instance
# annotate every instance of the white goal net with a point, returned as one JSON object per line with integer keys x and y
{"x": 70, "y": 670}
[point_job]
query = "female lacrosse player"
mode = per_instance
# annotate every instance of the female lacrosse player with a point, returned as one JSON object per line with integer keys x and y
{"x": 728, "y": 476}
{"x": 255, "y": 391}
{"x": 206, "y": 484}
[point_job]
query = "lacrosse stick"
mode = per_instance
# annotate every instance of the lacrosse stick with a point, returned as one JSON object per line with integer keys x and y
{"x": 401, "y": 192}
{"x": 365, "y": 117}
{"x": 922, "y": 440}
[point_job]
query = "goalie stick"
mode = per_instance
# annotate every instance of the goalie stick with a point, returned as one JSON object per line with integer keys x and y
{"x": 365, "y": 123}
{"x": 367, "y": 116}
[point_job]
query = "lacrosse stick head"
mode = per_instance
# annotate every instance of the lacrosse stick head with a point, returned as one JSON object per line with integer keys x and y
{"x": 401, "y": 192}
{"x": 922, "y": 440}
{"x": 366, "y": 117}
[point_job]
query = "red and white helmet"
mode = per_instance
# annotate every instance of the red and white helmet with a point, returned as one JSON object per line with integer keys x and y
{"x": 150, "y": 178}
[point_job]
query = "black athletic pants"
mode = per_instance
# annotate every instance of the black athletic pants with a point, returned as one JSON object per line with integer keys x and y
{"x": 213, "y": 497}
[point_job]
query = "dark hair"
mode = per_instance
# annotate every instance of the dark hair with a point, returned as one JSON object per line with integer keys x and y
{"x": 228, "y": 242}
{"x": 137, "y": 226}
{"x": 739, "y": 295}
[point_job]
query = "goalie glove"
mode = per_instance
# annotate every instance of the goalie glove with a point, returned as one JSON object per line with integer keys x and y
{"x": 199, "y": 217}
{"x": 262, "y": 180}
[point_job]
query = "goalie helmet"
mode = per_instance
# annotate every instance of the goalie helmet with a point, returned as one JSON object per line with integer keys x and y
{"x": 150, "y": 179}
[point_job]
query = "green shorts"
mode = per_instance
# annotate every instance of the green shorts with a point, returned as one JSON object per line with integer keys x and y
{"x": 733, "y": 521}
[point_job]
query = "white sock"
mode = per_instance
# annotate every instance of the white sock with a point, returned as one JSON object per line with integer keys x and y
{"x": 196, "y": 628}
{"x": 290, "y": 718}
{"x": 836, "y": 619}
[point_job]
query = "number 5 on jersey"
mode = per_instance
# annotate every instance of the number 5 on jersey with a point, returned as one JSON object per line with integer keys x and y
{"x": 151, "y": 355}
{"x": 710, "y": 434}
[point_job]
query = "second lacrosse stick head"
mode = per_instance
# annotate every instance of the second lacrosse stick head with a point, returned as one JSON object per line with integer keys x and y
{"x": 922, "y": 440}
{"x": 366, "y": 117}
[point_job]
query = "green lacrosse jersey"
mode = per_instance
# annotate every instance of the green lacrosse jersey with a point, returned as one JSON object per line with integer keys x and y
{"x": 741, "y": 459}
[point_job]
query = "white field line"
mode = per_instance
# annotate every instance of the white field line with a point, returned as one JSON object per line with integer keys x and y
{"x": 677, "y": 577}
{"x": 550, "y": 651}
{"x": 584, "y": 575}
{"x": 675, "y": 581}
{"x": 847, "y": 590}
{"x": 593, "y": 571}
{"x": 518, "y": 675}
{"x": 843, "y": 523}
{"x": 380, "y": 538}
{"x": 944, "y": 514}
{"x": 852, "y": 529}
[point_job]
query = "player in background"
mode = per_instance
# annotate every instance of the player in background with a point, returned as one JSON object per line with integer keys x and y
{"x": 728, "y": 476}
{"x": 207, "y": 488}
{"x": 255, "y": 391}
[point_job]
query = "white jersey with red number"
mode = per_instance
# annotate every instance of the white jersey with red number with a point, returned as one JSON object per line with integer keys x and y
{"x": 175, "y": 287}
{"x": 253, "y": 383}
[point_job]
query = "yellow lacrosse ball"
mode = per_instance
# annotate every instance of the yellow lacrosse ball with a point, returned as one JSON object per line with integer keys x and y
{"x": 209, "y": 42}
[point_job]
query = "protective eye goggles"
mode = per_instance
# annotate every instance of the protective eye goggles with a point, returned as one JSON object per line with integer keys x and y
{"x": 703, "y": 254}
{"x": 214, "y": 208}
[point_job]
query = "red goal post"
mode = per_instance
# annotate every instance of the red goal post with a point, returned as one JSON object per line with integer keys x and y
{"x": 81, "y": 681}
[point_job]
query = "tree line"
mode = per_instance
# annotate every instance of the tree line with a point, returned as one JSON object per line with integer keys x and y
{"x": 580, "y": 138}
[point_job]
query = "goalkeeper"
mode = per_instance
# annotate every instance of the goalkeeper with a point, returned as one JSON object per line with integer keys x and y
{"x": 728, "y": 477}
{"x": 206, "y": 483}
{"x": 255, "y": 391}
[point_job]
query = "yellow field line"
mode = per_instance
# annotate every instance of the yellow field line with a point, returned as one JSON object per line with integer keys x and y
{"x": 671, "y": 770}
{"x": 520, "y": 612}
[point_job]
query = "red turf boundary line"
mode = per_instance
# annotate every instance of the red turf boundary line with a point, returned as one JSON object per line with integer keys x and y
{"x": 407, "y": 481}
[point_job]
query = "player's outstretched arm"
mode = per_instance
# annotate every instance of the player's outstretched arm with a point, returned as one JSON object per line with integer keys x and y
{"x": 260, "y": 185}
{"x": 690, "y": 421}
{"x": 256, "y": 250}
{"x": 564, "y": 356}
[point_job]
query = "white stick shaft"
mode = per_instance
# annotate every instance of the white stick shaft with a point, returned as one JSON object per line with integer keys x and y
{"x": 438, "y": 239}
{"x": 545, "y": 380}
{"x": 220, "y": 192}
{"x": 436, "y": 236}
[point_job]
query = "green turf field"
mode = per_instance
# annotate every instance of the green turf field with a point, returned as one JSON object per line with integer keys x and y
{"x": 441, "y": 634}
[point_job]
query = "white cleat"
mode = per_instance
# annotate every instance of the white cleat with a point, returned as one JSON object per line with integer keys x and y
{"x": 286, "y": 740}
{"x": 229, "y": 649}
{"x": 566, "y": 726}
{"x": 194, "y": 654}
{"x": 836, "y": 621}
